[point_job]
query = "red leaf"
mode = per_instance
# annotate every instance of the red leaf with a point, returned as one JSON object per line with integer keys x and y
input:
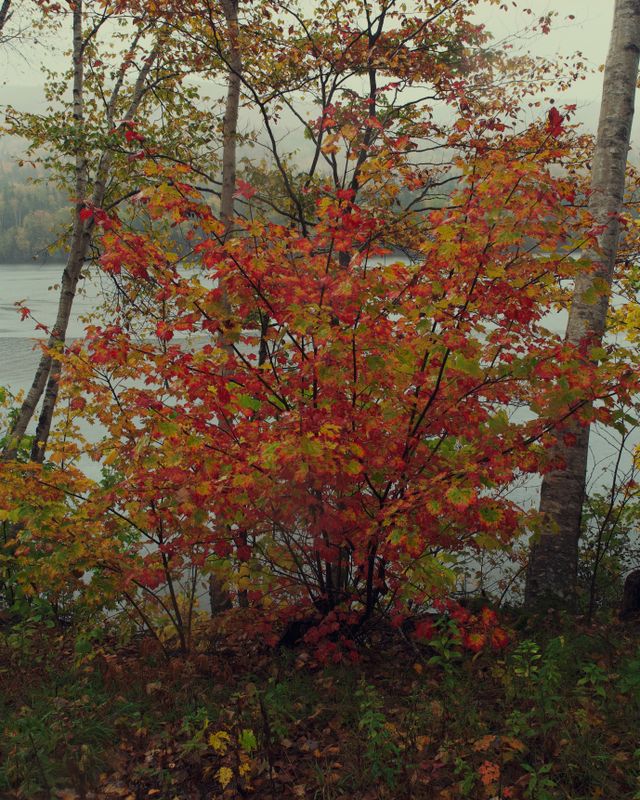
{"x": 164, "y": 332}
{"x": 499, "y": 638}
{"x": 222, "y": 549}
{"x": 244, "y": 189}
{"x": 133, "y": 136}
{"x": 555, "y": 122}
{"x": 244, "y": 552}
{"x": 425, "y": 630}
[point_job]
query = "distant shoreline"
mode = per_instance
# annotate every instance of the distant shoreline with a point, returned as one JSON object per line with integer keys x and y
{"x": 33, "y": 263}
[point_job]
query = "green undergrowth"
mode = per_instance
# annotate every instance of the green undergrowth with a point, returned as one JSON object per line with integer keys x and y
{"x": 555, "y": 715}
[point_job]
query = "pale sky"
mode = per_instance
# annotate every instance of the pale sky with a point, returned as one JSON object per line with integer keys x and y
{"x": 588, "y": 32}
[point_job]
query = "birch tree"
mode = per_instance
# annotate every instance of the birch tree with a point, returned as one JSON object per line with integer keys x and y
{"x": 89, "y": 191}
{"x": 552, "y": 570}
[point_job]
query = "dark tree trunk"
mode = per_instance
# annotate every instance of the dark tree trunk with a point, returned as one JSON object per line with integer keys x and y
{"x": 630, "y": 608}
{"x": 5, "y": 14}
{"x": 227, "y": 207}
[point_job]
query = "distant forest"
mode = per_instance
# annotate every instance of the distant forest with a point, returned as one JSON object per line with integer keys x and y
{"x": 33, "y": 213}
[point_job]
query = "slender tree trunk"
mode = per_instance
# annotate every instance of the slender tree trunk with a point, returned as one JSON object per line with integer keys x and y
{"x": 218, "y": 597}
{"x": 553, "y": 561}
{"x": 230, "y": 122}
{"x": 81, "y": 237}
{"x": 83, "y": 241}
{"x": 47, "y": 376}
{"x": 5, "y": 14}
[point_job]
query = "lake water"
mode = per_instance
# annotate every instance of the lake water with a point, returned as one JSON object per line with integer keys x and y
{"x": 35, "y": 285}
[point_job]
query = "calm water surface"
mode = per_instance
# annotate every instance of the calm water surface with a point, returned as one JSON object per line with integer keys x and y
{"x": 35, "y": 284}
{"x": 19, "y": 351}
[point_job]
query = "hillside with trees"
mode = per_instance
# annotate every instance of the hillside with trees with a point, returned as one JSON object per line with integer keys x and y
{"x": 33, "y": 216}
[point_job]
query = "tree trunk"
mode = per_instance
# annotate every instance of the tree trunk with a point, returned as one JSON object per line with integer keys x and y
{"x": 49, "y": 369}
{"x": 5, "y": 14}
{"x": 230, "y": 122}
{"x": 219, "y": 597}
{"x": 553, "y": 561}
{"x": 79, "y": 245}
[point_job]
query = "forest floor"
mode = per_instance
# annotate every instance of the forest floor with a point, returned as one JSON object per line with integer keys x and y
{"x": 553, "y": 715}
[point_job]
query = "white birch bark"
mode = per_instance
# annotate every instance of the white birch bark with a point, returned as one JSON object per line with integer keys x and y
{"x": 5, "y": 14}
{"x": 47, "y": 376}
{"x": 552, "y": 570}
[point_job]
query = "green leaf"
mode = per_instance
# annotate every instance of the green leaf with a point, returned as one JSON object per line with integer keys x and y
{"x": 353, "y": 467}
{"x": 498, "y": 423}
{"x": 168, "y": 428}
{"x": 487, "y": 542}
{"x": 460, "y": 497}
{"x": 246, "y": 401}
{"x": 277, "y": 402}
{"x": 598, "y": 353}
{"x": 248, "y": 740}
{"x": 490, "y": 514}
{"x": 375, "y": 362}
{"x": 310, "y": 447}
{"x": 467, "y": 365}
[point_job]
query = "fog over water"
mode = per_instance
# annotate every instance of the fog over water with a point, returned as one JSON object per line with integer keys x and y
{"x": 19, "y": 353}
{"x": 33, "y": 284}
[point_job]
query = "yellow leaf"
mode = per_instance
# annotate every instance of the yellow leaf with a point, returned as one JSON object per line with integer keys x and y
{"x": 353, "y": 468}
{"x": 330, "y": 144}
{"x": 111, "y": 457}
{"x": 224, "y": 776}
{"x": 483, "y": 744}
{"x": 515, "y": 744}
{"x": 349, "y": 131}
{"x": 219, "y": 741}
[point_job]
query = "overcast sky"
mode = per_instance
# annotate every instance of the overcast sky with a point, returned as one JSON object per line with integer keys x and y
{"x": 588, "y": 33}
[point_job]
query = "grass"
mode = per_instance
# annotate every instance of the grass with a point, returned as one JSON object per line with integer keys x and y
{"x": 554, "y": 716}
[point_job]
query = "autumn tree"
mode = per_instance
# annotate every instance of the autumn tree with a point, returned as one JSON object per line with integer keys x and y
{"x": 331, "y": 527}
{"x": 317, "y": 408}
{"x": 93, "y": 157}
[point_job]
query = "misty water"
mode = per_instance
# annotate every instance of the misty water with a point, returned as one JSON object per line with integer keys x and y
{"x": 36, "y": 287}
{"x": 37, "y": 284}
